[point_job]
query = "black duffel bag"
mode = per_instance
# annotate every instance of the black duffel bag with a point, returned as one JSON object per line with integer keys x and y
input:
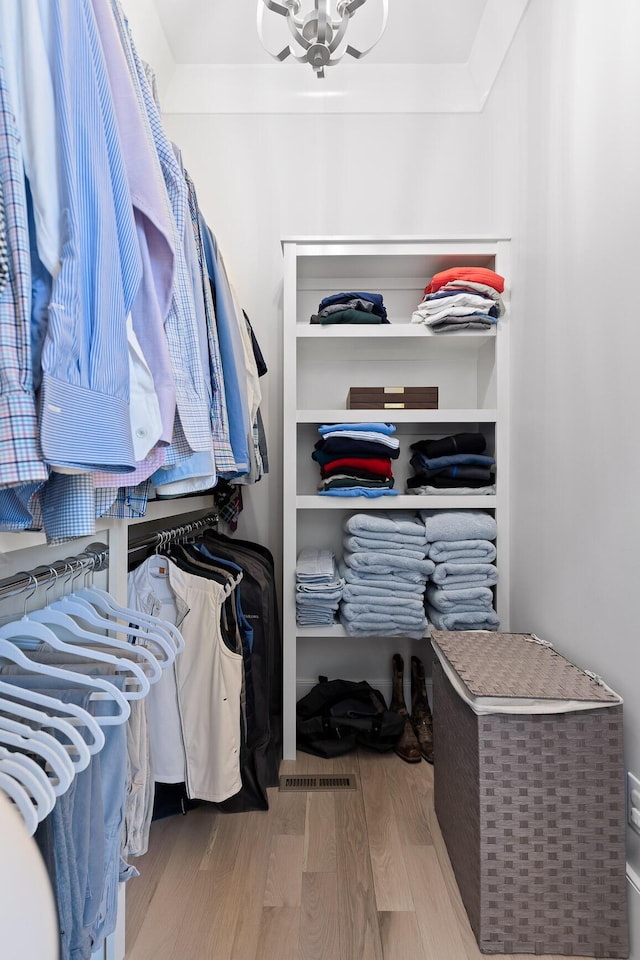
{"x": 337, "y": 716}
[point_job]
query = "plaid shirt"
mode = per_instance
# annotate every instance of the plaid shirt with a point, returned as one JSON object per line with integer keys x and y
{"x": 225, "y": 461}
{"x": 20, "y": 457}
{"x": 123, "y": 502}
{"x": 4, "y": 260}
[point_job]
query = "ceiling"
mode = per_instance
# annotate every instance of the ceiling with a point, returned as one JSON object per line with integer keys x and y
{"x": 418, "y": 31}
{"x": 435, "y": 56}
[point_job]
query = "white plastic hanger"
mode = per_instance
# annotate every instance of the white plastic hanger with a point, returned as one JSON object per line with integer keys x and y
{"x": 76, "y": 715}
{"x": 82, "y": 610}
{"x": 32, "y": 777}
{"x": 151, "y": 664}
{"x": 159, "y": 633}
{"x": 39, "y": 742}
{"x": 105, "y": 602}
{"x": 57, "y": 621}
{"x": 101, "y": 689}
{"x": 13, "y": 789}
{"x": 77, "y": 745}
{"x": 98, "y": 599}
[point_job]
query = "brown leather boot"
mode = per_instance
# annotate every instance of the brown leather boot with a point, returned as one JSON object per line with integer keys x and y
{"x": 407, "y": 746}
{"x": 421, "y": 719}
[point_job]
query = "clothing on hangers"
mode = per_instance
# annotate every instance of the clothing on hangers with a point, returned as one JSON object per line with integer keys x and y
{"x": 133, "y": 358}
{"x": 203, "y": 747}
{"x": 60, "y": 665}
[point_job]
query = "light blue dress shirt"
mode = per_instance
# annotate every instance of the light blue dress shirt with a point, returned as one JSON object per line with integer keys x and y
{"x": 85, "y": 382}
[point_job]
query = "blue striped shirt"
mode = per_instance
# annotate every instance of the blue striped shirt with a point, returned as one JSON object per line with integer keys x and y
{"x": 85, "y": 407}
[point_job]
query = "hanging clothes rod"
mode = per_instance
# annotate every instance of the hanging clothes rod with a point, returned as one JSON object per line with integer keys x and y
{"x": 172, "y": 534}
{"x": 93, "y": 558}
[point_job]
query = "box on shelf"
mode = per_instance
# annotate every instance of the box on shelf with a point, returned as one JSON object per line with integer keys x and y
{"x": 529, "y": 794}
{"x": 392, "y": 398}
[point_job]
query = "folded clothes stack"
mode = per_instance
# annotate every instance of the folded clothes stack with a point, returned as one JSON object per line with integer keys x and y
{"x": 386, "y": 570}
{"x": 459, "y": 596}
{"x": 461, "y": 298}
{"x": 351, "y": 308}
{"x": 318, "y": 587}
{"x": 355, "y": 459}
{"x": 456, "y": 464}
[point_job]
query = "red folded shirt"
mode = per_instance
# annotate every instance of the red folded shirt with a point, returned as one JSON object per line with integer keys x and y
{"x": 476, "y": 274}
{"x": 370, "y": 464}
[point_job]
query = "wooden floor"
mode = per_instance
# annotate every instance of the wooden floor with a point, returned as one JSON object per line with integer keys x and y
{"x": 352, "y": 875}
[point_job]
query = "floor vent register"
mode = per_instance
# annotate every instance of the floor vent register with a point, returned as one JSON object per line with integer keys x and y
{"x": 312, "y": 782}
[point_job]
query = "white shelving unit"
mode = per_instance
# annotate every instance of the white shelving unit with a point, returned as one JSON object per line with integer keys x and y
{"x": 321, "y": 363}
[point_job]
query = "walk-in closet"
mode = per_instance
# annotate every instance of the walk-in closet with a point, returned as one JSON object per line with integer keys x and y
{"x": 318, "y": 480}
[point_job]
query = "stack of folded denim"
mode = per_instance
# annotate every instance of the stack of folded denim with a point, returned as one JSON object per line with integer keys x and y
{"x": 452, "y": 465}
{"x": 459, "y": 596}
{"x": 462, "y": 297}
{"x": 351, "y": 308}
{"x": 385, "y": 569}
{"x": 355, "y": 459}
{"x": 318, "y": 587}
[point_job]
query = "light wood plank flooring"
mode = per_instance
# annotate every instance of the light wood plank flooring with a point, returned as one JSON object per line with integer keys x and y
{"x": 353, "y": 875}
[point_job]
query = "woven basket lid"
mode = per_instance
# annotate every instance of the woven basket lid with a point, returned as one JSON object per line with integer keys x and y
{"x": 516, "y": 665}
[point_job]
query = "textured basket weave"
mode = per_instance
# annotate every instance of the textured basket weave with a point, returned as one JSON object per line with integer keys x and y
{"x": 532, "y": 809}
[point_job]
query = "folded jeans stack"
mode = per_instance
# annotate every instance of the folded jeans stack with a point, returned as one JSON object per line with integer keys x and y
{"x": 459, "y": 596}
{"x": 385, "y": 569}
{"x": 461, "y": 298}
{"x": 355, "y": 459}
{"x": 452, "y": 465}
{"x": 318, "y": 587}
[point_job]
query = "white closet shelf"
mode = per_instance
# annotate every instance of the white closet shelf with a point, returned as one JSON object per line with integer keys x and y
{"x": 402, "y": 502}
{"x": 338, "y": 631}
{"x": 398, "y": 416}
{"x": 156, "y": 510}
{"x": 162, "y": 509}
{"x": 392, "y": 331}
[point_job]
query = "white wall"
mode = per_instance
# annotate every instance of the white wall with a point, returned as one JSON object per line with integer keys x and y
{"x": 262, "y": 177}
{"x": 576, "y": 341}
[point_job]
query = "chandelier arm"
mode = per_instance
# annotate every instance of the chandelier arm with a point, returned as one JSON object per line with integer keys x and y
{"x": 276, "y": 7}
{"x": 357, "y": 54}
{"x": 297, "y": 34}
{"x": 321, "y": 13}
{"x": 290, "y": 8}
{"x": 338, "y": 36}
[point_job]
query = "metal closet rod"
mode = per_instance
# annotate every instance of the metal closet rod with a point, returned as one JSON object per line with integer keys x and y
{"x": 161, "y": 537}
{"x": 94, "y": 557}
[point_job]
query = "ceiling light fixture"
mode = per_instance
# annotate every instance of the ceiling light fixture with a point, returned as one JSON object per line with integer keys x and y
{"x": 320, "y": 33}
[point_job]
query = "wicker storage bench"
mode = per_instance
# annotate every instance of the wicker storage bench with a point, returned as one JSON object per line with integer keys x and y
{"x": 531, "y": 804}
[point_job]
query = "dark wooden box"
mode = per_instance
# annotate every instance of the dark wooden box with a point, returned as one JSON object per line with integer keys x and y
{"x": 392, "y": 398}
